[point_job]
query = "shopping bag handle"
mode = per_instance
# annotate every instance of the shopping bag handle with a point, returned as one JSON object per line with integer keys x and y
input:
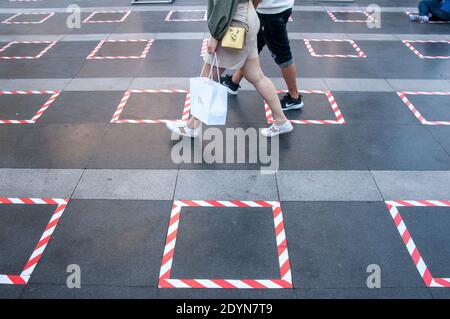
{"x": 215, "y": 63}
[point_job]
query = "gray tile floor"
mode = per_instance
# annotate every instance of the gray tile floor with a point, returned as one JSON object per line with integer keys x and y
{"x": 121, "y": 180}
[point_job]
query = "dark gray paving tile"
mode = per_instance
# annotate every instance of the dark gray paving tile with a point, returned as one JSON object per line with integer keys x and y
{"x": 442, "y": 135}
{"x": 247, "y": 107}
{"x": 154, "y": 106}
{"x": 231, "y": 243}
{"x": 331, "y": 244}
{"x": 432, "y": 107}
{"x": 110, "y": 68}
{"x": 45, "y": 68}
{"x": 317, "y": 107}
{"x": 163, "y": 54}
{"x": 71, "y": 49}
{"x": 42, "y": 291}
{"x": 9, "y": 137}
{"x": 428, "y": 227}
{"x": 112, "y": 49}
{"x": 399, "y": 147}
{"x": 83, "y": 107}
{"x": 11, "y": 291}
{"x": 373, "y": 107}
{"x": 23, "y": 49}
{"x": 56, "y": 22}
{"x": 21, "y": 107}
{"x": 113, "y": 242}
{"x": 440, "y": 293}
{"x": 134, "y": 146}
{"x": 21, "y": 228}
{"x": 321, "y": 147}
{"x": 54, "y": 146}
{"x": 364, "y": 293}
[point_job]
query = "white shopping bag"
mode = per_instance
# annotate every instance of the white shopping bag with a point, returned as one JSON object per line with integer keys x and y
{"x": 209, "y": 99}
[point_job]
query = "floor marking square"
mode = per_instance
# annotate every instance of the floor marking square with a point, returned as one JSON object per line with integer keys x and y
{"x": 420, "y": 55}
{"x": 283, "y": 257}
{"x": 369, "y": 19}
{"x": 429, "y": 22}
{"x": 89, "y": 19}
{"x": 126, "y": 96}
{"x": 48, "y": 16}
{"x": 25, "y": 275}
{"x": 40, "y": 54}
{"x": 172, "y": 12}
{"x": 330, "y": 97}
{"x": 414, "y": 110}
{"x": 420, "y": 264}
{"x": 142, "y": 55}
{"x": 44, "y": 107}
{"x": 360, "y": 53}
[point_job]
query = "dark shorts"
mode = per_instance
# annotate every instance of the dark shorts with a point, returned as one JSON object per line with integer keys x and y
{"x": 273, "y": 33}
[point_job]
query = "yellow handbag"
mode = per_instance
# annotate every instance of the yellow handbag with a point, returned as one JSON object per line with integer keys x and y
{"x": 235, "y": 36}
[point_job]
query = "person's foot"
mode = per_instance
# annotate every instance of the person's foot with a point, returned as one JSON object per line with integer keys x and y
{"x": 182, "y": 128}
{"x": 289, "y": 103}
{"x": 418, "y": 18}
{"x": 275, "y": 129}
{"x": 232, "y": 87}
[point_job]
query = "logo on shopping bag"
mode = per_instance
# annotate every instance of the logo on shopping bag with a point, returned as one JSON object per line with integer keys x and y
{"x": 200, "y": 101}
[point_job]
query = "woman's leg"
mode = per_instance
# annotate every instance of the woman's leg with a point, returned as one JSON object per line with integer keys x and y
{"x": 193, "y": 122}
{"x": 253, "y": 73}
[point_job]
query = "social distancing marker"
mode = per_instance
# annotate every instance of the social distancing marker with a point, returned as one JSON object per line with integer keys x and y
{"x": 142, "y": 55}
{"x": 43, "y": 108}
{"x": 402, "y": 228}
{"x": 409, "y": 13}
{"x": 420, "y": 55}
{"x": 285, "y": 281}
{"x": 126, "y": 96}
{"x": 24, "y": 276}
{"x": 204, "y": 49}
{"x": 416, "y": 112}
{"x": 169, "y": 17}
{"x": 91, "y": 17}
{"x": 47, "y": 15}
{"x": 49, "y": 45}
{"x": 369, "y": 18}
{"x": 334, "y": 106}
{"x": 360, "y": 53}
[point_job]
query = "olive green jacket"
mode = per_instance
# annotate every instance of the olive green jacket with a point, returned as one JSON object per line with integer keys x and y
{"x": 220, "y": 14}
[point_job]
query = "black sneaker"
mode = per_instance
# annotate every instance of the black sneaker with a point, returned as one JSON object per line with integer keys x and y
{"x": 232, "y": 87}
{"x": 288, "y": 103}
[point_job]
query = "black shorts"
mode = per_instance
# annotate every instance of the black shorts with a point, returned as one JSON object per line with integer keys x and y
{"x": 273, "y": 33}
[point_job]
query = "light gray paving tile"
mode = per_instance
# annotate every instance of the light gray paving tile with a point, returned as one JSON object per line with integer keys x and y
{"x": 333, "y": 36}
{"x": 159, "y": 83}
{"x": 371, "y": 37}
{"x": 53, "y": 183}
{"x": 85, "y": 37}
{"x": 413, "y": 185}
{"x": 49, "y": 37}
{"x": 327, "y": 186}
{"x": 127, "y": 184}
{"x": 34, "y": 84}
{"x": 225, "y": 185}
{"x": 419, "y": 85}
{"x": 419, "y": 36}
{"x": 98, "y": 84}
{"x": 370, "y": 85}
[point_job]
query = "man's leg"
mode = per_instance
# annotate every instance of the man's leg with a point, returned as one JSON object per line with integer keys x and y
{"x": 290, "y": 77}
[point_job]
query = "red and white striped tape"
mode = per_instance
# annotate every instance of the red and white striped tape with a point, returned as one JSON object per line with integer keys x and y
{"x": 416, "y": 112}
{"x": 124, "y": 17}
{"x": 419, "y": 262}
{"x": 330, "y": 97}
{"x": 41, "y": 111}
{"x": 92, "y": 55}
{"x": 9, "y": 20}
{"x": 24, "y": 276}
{"x": 171, "y": 12}
{"x": 358, "y": 50}
{"x": 204, "y": 49}
{"x": 335, "y": 19}
{"x": 429, "y": 22}
{"x": 126, "y": 96}
{"x": 40, "y": 54}
{"x": 420, "y": 55}
{"x": 283, "y": 257}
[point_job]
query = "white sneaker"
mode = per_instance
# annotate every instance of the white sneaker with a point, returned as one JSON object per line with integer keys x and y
{"x": 181, "y": 128}
{"x": 275, "y": 130}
